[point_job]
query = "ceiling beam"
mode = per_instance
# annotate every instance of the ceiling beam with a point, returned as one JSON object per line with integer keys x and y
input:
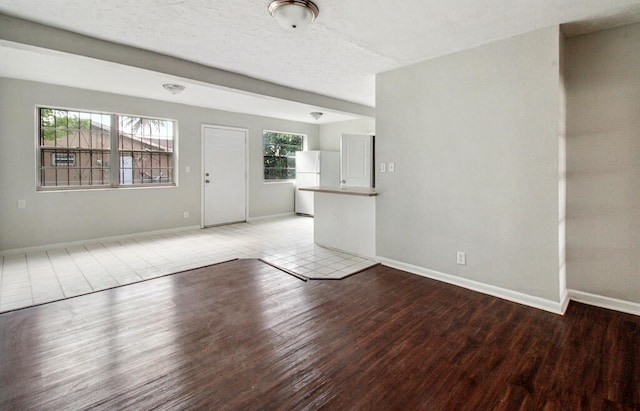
{"x": 34, "y": 34}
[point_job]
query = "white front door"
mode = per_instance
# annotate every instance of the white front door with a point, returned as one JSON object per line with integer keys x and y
{"x": 356, "y": 158}
{"x": 224, "y": 175}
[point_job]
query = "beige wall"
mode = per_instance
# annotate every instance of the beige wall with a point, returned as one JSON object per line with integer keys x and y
{"x": 603, "y": 154}
{"x": 53, "y": 217}
{"x": 475, "y": 141}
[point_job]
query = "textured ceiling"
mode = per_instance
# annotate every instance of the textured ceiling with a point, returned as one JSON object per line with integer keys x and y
{"x": 337, "y": 56}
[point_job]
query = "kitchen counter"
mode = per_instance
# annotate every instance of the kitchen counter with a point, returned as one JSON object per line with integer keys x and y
{"x": 345, "y": 219}
{"x": 353, "y": 191}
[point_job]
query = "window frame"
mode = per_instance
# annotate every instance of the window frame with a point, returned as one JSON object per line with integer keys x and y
{"x": 113, "y": 153}
{"x": 303, "y": 147}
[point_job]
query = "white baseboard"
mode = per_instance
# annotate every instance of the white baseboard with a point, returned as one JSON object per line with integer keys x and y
{"x": 95, "y": 240}
{"x": 605, "y": 302}
{"x": 505, "y": 294}
{"x": 269, "y": 217}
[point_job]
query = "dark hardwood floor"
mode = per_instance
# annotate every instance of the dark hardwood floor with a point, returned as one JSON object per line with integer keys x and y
{"x": 246, "y": 336}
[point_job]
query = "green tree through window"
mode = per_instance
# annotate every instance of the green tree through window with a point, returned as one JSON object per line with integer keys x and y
{"x": 56, "y": 124}
{"x": 280, "y": 154}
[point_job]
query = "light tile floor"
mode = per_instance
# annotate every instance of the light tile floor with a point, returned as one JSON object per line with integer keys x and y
{"x": 53, "y": 274}
{"x": 318, "y": 263}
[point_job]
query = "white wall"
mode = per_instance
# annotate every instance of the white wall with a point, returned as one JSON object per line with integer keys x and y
{"x": 475, "y": 141}
{"x": 603, "y": 155}
{"x": 331, "y": 133}
{"x": 53, "y": 217}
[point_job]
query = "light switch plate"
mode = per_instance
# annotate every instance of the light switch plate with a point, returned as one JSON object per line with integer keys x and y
{"x": 383, "y": 168}
{"x": 392, "y": 167}
{"x": 22, "y": 203}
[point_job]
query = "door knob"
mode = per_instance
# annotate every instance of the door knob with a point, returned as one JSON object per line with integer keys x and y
{"x": 206, "y": 175}
{"x": 206, "y": 181}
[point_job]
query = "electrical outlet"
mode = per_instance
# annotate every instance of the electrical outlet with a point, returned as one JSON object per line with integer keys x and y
{"x": 186, "y": 214}
{"x": 383, "y": 168}
{"x": 187, "y": 169}
{"x": 22, "y": 203}
{"x": 392, "y": 167}
{"x": 461, "y": 258}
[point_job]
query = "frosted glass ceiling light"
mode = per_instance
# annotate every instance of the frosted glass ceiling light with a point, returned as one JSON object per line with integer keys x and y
{"x": 173, "y": 88}
{"x": 316, "y": 115}
{"x": 293, "y": 14}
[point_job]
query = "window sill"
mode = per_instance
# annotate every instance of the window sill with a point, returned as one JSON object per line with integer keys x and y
{"x": 279, "y": 181}
{"x": 102, "y": 188}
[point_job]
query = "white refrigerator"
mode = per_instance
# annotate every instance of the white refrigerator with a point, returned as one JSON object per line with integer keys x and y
{"x": 314, "y": 168}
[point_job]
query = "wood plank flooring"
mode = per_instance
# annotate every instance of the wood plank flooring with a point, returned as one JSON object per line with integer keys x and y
{"x": 246, "y": 336}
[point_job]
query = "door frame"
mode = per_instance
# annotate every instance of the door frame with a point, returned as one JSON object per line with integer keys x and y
{"x": 202, "y": 165}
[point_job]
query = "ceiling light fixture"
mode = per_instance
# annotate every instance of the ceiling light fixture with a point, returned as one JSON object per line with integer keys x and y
{"x": 316, "y": 115}
{"x": 294, "y": 14}
{"x": 173, "y": 88}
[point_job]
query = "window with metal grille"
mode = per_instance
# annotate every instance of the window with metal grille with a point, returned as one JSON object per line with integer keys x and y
{"x": 78, "y": 149}
{"x": 145, "y": 147}
{"x": 279, "y": 154}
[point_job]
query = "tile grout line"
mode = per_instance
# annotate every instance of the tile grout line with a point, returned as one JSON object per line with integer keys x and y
{"x": 90, "y": 255}
{"x": 100, "y": 260}
{"x": 117, "y": 257}
{"x": 54, "y": 272}
{"x": 26, "y": 263}
{"x": 81, "y": 273}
